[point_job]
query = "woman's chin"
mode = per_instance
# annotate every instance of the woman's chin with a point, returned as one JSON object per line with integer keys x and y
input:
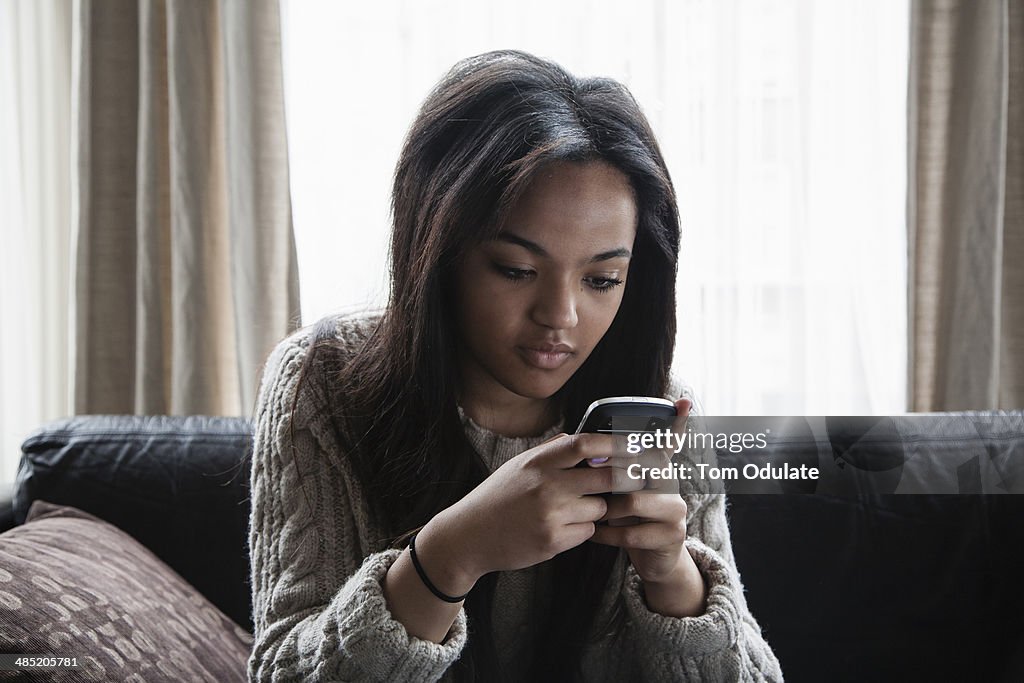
{"x": 540, "y": 388}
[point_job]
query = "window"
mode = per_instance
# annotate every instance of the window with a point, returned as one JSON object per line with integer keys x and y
{"x": 783, "y": 124}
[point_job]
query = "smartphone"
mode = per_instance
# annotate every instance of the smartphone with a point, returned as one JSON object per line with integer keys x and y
{"x": 627, "y": 414}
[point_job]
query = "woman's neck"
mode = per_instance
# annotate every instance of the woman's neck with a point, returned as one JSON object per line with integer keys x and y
{"x": 511, "y": 415}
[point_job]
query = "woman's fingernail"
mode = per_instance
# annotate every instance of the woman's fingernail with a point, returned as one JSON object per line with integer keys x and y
{"x": 598, "y": 461}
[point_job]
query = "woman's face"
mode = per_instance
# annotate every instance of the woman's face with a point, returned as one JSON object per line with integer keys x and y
{"x": 533, "y": 303}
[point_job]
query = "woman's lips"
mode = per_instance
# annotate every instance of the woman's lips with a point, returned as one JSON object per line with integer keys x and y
{"x": 544, "y": 359}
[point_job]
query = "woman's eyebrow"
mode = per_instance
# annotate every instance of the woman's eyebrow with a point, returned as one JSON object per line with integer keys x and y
{"x": 621, "y": 252}
{"x": 512, "y": 238}
{"x": 535, "y": 248}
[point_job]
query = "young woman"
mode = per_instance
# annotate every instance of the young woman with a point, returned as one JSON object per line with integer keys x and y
{"x": 417, "y": 512}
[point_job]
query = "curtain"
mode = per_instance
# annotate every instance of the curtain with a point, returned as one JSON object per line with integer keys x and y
{"x": 787, "y": 146}
{"x": 966, "y": 205}
{"x": 35, "y": 205}
{"x": 185, "y": 266}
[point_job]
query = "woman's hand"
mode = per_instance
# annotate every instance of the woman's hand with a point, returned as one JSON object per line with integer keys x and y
{"x": 535, "y": 506}
{"x": 655, "y": 539}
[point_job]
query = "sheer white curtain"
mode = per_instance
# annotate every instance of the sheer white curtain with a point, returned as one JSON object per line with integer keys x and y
{"x": 35, "y": 204}
{"x": 783, "y": 124}
{"x": 789, "y": 153}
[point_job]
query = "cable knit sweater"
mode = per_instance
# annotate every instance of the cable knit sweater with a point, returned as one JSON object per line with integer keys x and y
{"x": 319, "y": 559}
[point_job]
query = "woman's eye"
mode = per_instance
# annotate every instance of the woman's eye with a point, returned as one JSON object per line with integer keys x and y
{"x": 598, "y": 284}
{"x": 515, "y": 274}
{"x": 603, "y": 284}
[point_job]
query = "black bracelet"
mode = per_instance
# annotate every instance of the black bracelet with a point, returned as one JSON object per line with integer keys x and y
{"x": 423, "y": 575}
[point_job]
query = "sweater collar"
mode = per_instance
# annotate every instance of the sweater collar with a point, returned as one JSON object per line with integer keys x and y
{"x": 496, "y": 449}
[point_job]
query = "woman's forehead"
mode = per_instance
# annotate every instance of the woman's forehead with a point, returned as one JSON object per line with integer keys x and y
{"x": 571, "y": 203}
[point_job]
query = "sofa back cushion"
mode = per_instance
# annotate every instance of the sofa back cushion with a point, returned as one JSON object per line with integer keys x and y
{"x": 72, "y": 585}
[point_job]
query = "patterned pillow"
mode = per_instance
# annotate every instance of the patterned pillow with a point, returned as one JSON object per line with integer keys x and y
{"x": 72, "y": 585}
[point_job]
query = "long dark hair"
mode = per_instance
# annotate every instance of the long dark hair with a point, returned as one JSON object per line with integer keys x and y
{"x": 479, "y": 139}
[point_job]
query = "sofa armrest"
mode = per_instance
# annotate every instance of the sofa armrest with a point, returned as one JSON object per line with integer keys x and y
{"x": 179, "y": 485}
{"x": 6, "y": 506}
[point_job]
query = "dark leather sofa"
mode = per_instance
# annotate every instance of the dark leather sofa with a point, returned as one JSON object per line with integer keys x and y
{"x": 852, "y": 584}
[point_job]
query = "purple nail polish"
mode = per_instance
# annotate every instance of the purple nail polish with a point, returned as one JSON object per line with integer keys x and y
{"x": 598, "y": 461}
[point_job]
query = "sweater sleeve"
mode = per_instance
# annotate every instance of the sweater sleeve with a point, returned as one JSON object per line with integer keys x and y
{"x": 318, "y": 606}
{"x": 723, "y": 644}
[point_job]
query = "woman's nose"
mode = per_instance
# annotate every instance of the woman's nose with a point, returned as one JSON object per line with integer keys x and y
{"x": 556, "y": 307}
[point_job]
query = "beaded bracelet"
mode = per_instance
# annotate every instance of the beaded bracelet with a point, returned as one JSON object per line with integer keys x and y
{"x": 423, "y": 575}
